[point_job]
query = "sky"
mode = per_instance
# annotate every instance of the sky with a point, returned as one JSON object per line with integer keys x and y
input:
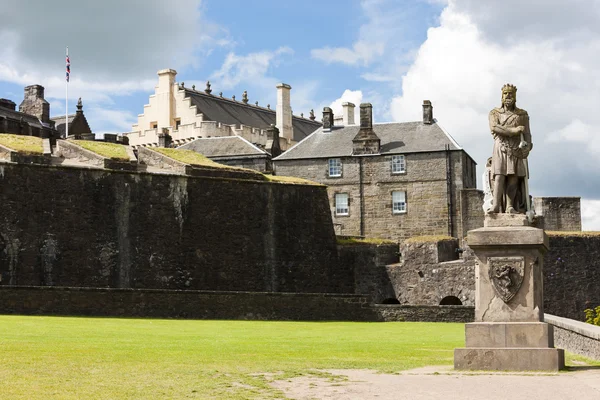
{"x": 391, "y": 53}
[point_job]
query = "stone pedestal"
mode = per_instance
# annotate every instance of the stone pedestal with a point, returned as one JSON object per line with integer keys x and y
{"x": 509, "y": 332}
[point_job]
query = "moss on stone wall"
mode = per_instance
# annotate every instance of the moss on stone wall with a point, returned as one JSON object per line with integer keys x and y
{"x": 428, "y": 239}
{"x": 574, "y": 233}
{"x": 22, "y": 144}
{"x": 376, "y": 241}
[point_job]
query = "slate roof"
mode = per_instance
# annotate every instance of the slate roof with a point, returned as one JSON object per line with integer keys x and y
{"x": 60, "y": 123}
{"x": 227, "y": 111}
{"x": 396, "y": 138}
{"x": 224, "y": 146}
{"x": 32, "y": 120}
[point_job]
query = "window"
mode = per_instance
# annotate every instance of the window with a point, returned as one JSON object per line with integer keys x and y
{"x": 398, "y": 164}
{"x": 341, "y": 204}
{"x": 398, "y": 202}
{"x": 153, "y": 125}
{"x": 177, "y": 124}
{"x": 335, "y": 167}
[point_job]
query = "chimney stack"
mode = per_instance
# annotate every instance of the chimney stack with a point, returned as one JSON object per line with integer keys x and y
{"x": 348, "y": 113}
{"x": 35, "y": 104}
{"x": 366, "y": 116}
{"x": 9, "y": 104}
{"x": 327, "y": 119}
{"x": 366, "y": 141}
{"x": 427, "y": 112}
{"x": 165, "y": 97}
{"x": 272, "y": 145}
{"x": 283, "y": 113}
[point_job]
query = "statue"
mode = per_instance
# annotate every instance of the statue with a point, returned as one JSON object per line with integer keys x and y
{"x": 509, "y": 172}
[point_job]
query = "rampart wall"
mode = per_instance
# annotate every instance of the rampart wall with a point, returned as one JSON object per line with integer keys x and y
{"x": 84, "y": 227}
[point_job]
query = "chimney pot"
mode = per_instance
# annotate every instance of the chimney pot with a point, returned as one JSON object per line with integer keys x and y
{"x": 348, "y": 113}
{"x": 427, "y": 112}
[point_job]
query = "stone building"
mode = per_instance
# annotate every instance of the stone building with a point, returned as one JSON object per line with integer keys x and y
{"x": 233, "y": 151}
{"x": 390, "y": 180}
{"x": 186, "y": 114}
{"x": 33, "y": 117}
{"x": 78, "y": 125}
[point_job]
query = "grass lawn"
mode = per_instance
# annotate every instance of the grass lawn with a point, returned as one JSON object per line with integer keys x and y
{"x": 75, "y": 358}
{"x": 93, "y": 358}
{"x": 22, "y": 144}
{"x": 113, "y": 151}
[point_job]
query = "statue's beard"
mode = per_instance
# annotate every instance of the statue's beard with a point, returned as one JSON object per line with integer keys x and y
{"x": 509, "y": 103}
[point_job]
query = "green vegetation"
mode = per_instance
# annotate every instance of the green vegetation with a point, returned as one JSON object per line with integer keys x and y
{"x": 574, "y": 233}
{"x": 353, "y": 240}
{"x": 92, "y": 358}
{"x": 592, "y": 316}
{"x": 428, "y": 239}
{"x": 86, "y": 358}
{"x": 291, "y": 179}
{"x": 22, "y": 144}
{"x": 193, "y": 158}
{"x": 109, "y": 150}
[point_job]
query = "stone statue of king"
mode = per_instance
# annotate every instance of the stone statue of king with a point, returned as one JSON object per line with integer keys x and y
{"x": 509, "y": 126}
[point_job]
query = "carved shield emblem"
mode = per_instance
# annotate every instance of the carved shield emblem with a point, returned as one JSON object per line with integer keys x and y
{"x": 506, "y": 275}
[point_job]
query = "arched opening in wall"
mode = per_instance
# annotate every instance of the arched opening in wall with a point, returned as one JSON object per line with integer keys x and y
{"x": 450, "y": 301}
{"x": 390, "y": 301}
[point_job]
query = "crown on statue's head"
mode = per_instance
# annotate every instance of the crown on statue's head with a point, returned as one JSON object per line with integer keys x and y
{"x": 509, "y": 88}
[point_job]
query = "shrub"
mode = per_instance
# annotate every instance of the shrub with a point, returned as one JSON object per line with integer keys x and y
{"x": 592, "y": 316}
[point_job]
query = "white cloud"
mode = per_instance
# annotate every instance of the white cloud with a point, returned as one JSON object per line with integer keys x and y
{"x": 351, "y": 96}
{"x": 590, "y": 215}
{"x": 251, "y": 68}
{"x": 117, "y": 52}
{"x": 362, "y": 52}
{"x": 115, "y": 121}
{"x": 465, "y": 61}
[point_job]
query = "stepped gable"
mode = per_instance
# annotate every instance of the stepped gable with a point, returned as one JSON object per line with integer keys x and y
{"x": 227, "y": 111}
{"x": 396, "y": 138}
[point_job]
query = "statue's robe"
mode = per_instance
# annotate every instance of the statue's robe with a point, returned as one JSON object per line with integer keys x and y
{"x": 507, "y": 158}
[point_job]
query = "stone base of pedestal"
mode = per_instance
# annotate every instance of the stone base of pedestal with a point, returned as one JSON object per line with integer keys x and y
{"x": 509, "y": 359}
{"x": 509, "y": 346}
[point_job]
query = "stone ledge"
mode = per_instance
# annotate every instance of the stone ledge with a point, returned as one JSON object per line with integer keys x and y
{"x": 582, "y": 328}
{"x": 509, "y": 359}
{"x": 509, "y": 334}
{"x": 507, "y": 236}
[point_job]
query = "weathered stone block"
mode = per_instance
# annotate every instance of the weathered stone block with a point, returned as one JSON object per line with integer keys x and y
{"x": 510, "y": 334}
{"x": 509, "y": 359}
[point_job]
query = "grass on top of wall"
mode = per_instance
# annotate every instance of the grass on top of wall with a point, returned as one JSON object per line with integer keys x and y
{"x": 291, "y": 179}
{"x": 574, "y": 233}
{"x": 354, "y": 240}
{"x": 22, "y": 144}
{"x": 428, "y": 239}
{"x": 113, "y": 151}
{"x": 193, "y": 158}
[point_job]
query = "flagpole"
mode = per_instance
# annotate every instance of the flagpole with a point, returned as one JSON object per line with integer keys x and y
{"x": 67, "y": 100}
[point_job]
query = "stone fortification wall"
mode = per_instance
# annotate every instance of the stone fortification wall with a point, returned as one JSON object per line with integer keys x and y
{"x": 559, "y": 213}
{"x": 572, "y": 274}
{"x": 195, "y": 304}
{"x": 431, "y": 273}
{"x": 83, "y": 227}
{"x": 427, "y": 273}
{"x": 370, "y": 273}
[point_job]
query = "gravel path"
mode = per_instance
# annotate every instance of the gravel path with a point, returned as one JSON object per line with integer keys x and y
{"x": 443, "y": 383}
